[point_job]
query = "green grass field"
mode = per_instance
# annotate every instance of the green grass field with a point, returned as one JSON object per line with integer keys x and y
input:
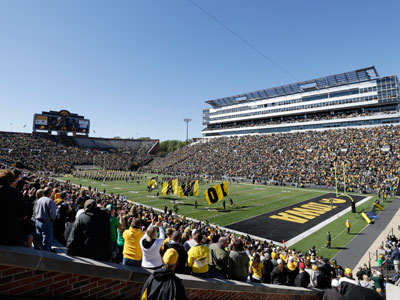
{"x": 249, "y": 200}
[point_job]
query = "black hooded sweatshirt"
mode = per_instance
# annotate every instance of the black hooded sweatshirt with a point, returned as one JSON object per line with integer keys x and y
{"x": 163, "y": 285}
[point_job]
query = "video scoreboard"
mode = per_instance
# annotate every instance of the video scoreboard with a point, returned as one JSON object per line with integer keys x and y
{"x": 61, "y": 121}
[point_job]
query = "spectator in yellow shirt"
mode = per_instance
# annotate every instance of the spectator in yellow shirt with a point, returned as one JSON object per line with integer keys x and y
{"x": 348, "y": 225}
{"x": 199, "y": 257}
{"x": 256, "y": 268}
{"x": 132, "y": 254}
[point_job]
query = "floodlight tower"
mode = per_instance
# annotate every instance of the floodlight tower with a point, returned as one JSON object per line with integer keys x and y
{"x": 187, "y": 127}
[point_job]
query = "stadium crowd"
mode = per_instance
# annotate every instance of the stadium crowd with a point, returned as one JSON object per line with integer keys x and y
{"x": 108, "y": 228}
{"x": 296, "y": 119}
{"x": 371, "y": 157}
{"x": 291, "y": 120}
{"x": 59, "y": 154}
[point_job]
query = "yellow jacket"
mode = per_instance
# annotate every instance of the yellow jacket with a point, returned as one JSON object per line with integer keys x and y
{"x": 199, "y": 258}
{"x": 348, "y": 225}
{"x": 132, "y": 248}
{"x": 257, "y": 272}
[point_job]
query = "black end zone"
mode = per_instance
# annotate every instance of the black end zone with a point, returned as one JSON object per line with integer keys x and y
{"x": 288, "y": 222}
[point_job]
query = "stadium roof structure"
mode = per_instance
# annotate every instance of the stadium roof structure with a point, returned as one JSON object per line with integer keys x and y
{"x": 299, "y": 87}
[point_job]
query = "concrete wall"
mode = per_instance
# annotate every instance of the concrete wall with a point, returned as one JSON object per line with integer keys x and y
{"x": 27, "y": 272}
{"x": 392, "y": 292}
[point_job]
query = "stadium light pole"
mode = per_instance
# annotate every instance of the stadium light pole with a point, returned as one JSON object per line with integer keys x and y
{"x": 187, "y": 127}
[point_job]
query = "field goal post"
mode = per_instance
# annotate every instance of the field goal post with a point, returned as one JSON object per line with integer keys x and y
{"x": 344, "y": 194}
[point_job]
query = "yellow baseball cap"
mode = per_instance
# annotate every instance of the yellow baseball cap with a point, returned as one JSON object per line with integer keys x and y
{"x": 314, "y": 267}
{"x": 170, "y": 256}
{"x": 348, "y": 271}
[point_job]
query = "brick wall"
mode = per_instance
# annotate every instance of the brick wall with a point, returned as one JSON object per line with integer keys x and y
{"x": 25, "y": 272}
{"x": 226, "y": 295}
{"x": 17, "y": 281}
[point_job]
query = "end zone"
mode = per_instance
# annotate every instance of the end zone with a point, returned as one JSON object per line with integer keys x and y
{"x": 294, "y": 222}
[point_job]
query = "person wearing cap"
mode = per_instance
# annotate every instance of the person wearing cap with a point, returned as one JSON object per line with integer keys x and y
{"x": 347, "y": 282}
{"x": 378, "y": 280}
{"x": 303, "y": 278}
{"x": 274, "y": 257}
{"x": 333, "y": 293}
{"x": 132, "y": 253}
{"x": 199, "y": 257}
{"x": 90, "y": 234}
{"x": 219, "y": 258}
{"x": 268, "y": 267}
{"x": 163, "y": 283}
{"x": 279, "y": 274}
{"x": 293, "y": 270}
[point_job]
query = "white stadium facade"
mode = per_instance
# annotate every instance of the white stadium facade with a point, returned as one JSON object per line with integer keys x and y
{"x": 359, "y": 98}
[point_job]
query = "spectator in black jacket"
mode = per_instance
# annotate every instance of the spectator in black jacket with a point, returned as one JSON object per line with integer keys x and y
{"x": 303, "y": 278}
{"x": 11, "y": 213}
{"x": 163, "y": 283}
{"x": 325, "y": 274}
{"x": 268, "y": 267}
{"x": 176, "y": 243}
{"x": 90, "y": 235}
{"x": 279, "y": 274}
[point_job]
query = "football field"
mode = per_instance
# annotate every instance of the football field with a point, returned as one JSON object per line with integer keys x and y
{"x": 272, "y": 212}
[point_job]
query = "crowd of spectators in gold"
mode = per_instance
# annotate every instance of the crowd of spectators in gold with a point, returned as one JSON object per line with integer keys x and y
{"x": 371, "y": 158}
{"x": 59, "y": 154}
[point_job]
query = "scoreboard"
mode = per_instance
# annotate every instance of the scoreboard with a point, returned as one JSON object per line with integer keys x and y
{"x": 61, "y": 121}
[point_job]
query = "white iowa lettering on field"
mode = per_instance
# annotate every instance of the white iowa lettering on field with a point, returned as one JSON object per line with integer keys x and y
{"x": 322, "y": 224}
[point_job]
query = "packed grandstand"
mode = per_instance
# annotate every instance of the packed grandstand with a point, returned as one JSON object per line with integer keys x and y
{"x": 136, "y": 235}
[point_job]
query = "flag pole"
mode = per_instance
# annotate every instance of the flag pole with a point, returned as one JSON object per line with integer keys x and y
{"x": 334, "y": 166}
{"x": 344, "y": 177}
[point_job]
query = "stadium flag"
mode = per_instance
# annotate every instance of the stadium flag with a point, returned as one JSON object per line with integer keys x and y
{"x": 170, "y": 187}
{"x": 196, "y": 188}
{"x": 217, "y": 193}
{"x": 175, "y": 186}
{"x": 165, "y": 188}
{"x": 189, "y": 189}
{"x": 153, "y": 183}
{"x": 182, "y": 189}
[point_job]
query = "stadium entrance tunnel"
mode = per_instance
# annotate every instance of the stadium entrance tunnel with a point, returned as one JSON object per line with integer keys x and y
{"x": 31, "y": 273}
{"x": 291, "y": 221}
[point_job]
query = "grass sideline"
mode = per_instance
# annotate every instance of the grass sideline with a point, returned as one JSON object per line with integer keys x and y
{"x": 249, "y": 200}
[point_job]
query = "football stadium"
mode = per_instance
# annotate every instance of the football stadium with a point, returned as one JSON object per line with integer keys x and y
{"x": 305, "y": 188}
{"x": 287, "y": 187}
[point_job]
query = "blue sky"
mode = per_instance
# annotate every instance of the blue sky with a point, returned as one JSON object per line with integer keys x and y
{"x": 138, "y": 68}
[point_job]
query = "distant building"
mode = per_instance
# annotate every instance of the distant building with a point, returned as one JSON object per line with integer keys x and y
{"x": 359, "y": 98}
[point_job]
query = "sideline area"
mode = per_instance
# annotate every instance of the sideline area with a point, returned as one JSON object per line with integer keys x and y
{"x": 371, "y": 237}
